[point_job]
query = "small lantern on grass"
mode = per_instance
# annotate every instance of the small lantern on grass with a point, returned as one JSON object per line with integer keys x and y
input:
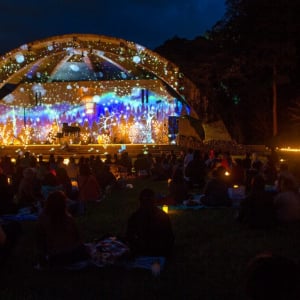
{"x": 165, "y": 208}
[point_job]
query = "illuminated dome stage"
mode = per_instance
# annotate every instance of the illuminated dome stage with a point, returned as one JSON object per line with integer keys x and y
{"x": 85, "y": 89}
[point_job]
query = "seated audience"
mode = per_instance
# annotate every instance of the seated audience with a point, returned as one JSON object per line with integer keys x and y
{"x": 238, "y": 173}
{"x": 196, "y": 171}
{"x": 126, "y": 162}
{"x": 89, "y": 188}
{"x": 149, "y": 231}
{"x": 246, "y": 161}
{"x": 105, "y": 178}
{"x": 255, "y": 169}
{"x": 64, "y": 180}
{"x": 72, "y": 168}
{"x": 257, "y": 209}
{"x": 178, "y": 189}
{"x": 270, "y": 171}
{"x": 215, "y": 191}
{"x": 58, "y": 238}
{"x": 49, "y": 185}
{"x": 27, "y": 194}
{"x": 142, "y": 166}
{"x": 158, "y": 171}
{"x": 287, "y": 201}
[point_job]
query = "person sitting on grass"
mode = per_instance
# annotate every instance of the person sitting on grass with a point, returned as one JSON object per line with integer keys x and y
{"x": 287, "y": 201}
{"x": 58, "y": 239}
{"x": 149, "y": 231}
{"x": 215, "y": 191}
{"x": 89, "y": 188}
{"x": 27, "y": 192}
{"x": 196, "y": 171}
{"x": 105, "y": 178}
{"x": 178, "y": 189}
{"x": 257, "y": 209}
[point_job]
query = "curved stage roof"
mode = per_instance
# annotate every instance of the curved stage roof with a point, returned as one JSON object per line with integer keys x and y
{"x": 113, "y": 90}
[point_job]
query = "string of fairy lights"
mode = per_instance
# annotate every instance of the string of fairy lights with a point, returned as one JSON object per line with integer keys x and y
{"x": 113, "y": 90}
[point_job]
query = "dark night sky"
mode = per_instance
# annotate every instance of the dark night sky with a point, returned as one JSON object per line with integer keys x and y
{"x": 146, "y": 22}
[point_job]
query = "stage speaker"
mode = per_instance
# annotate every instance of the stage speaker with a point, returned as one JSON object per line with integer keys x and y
{"x": 173, "y": 125}
{"x": 143, "y": 96}
{"x": 147, "y": 96}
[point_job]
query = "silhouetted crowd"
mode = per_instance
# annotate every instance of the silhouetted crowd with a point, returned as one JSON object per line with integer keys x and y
{"x": 262, "y": 190}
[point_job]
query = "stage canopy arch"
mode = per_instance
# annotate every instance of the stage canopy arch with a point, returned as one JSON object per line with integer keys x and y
{"x": 86, "y": 88}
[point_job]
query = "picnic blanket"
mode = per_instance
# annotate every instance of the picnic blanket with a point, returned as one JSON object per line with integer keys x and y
{"x": 191, "y": 207}
{"x": 153, "y": 263}
{"x": 194, "y": 203}
{"x": 113, "y": 251}
{"x": 107, "y": 251}
{"x": 24, "y": 214}
{"x": 187, "y": 207}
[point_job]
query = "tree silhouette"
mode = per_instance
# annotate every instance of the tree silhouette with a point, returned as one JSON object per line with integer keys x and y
{"x": 262, "y": 37}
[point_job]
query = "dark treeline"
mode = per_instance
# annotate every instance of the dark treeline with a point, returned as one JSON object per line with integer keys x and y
{"x": 247, "y": 68}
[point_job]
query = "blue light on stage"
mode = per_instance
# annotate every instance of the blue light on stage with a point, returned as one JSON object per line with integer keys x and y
{"x": 114, "y": 91}
{"x": 110, "y": 119}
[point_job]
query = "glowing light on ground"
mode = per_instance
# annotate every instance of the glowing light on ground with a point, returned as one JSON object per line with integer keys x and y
{"x": 288, "y": 149}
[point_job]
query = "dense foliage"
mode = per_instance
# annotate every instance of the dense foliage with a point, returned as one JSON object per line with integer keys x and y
{"x": 247, "y": 68}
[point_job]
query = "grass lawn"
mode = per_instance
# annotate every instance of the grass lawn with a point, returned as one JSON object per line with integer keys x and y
{"x": 210, "y": 256}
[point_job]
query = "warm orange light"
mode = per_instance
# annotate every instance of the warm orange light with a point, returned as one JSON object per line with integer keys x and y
{"x": 289, "y": 149}
{"x": 74, "y": 183}
{"x": 89, "y": 108}
{"x": 89, "y": 104}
